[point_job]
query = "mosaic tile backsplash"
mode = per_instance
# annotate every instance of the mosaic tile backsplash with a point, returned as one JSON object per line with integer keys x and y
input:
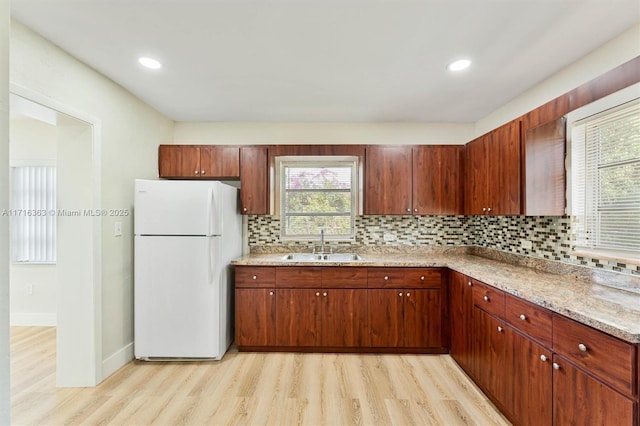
{"x": 550, "y": 236}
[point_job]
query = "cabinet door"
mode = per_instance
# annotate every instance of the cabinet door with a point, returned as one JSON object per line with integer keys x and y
{"x": 580, "y": 399}
{"x": 438, "y": 185}
{"x": 504, "y": 169}
{"x": 254, "y": 180}
{"x": 220, "y": 162}
{"x": 544, "y": 172}
{"x": 533, "y": 398}
{"x": 493, "y": 358}
{"x": 255, "y": 312}
{"x": 388, "y": 180}
{"x": 344, "y": 318}
{"x": 476, "y": 187}
{"x": 298, "y": 317}
{"x": 178, "y": 161}
{"x": 461, "y": 314}
{"x": 190, "y": 161}
{"x": 385, "y": 317}
{"x": 169, "y": 161}
{"x": 423, "y": 318}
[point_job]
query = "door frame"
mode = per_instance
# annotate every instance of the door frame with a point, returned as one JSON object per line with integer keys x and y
{"x": 92, "y": 343}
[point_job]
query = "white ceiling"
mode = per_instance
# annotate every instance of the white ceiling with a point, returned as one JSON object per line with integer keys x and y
{"x": 327, "y": 60}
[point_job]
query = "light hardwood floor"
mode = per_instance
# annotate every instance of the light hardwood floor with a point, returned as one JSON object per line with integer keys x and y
{"x": 249, "y": 389}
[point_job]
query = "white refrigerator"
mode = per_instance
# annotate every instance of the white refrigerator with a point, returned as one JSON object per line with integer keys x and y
{"x": 186, "y": 234}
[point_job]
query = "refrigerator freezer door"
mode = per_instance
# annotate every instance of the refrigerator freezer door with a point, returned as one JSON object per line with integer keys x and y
{"x": 165, "y": 207}
{"x": 177, "y": 297}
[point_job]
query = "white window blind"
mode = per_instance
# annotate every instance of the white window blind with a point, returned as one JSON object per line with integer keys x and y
{"x": 317, "y": 195}
{"x": 33, "y": 214}
{"x": 606, "y": 179}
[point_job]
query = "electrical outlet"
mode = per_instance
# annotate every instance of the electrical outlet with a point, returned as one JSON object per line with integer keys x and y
{"x": 117, "y": 229}
{"x": 29, "y": 289}
{"x": 526, "y": 244}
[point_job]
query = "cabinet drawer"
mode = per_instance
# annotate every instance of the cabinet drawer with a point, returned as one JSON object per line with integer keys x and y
{"x": 255, "y": 276}
{"x": 385, "y": 278}
{"x": 604, "y": 356}
{"x": 344, "y": 277}
{"x": 488, "y": 298}
{"x": 534, "y": 321}
{"x": 422, "y": 278}
{"x": 298, "y": 277}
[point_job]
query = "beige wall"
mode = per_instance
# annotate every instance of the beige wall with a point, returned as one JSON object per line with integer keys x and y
{"x": 613, "y": 53}
{"x": 130, "y": 132}
{"x": 322, "y": 133}
{"x": 5, "y": 417}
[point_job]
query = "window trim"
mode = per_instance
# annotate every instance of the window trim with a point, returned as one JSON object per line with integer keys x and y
{"x": 315, "y": 161}
{"x": 614, "y": 101}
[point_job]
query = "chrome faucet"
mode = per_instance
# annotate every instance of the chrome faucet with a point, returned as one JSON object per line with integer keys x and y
{"x": 322, "y": 240}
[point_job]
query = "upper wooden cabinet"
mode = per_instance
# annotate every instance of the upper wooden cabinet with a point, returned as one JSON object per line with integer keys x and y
{"x": 544, "y": 171}
{"x": 198, "y": 162}
{"x": 254, "y": 180}
{"x": 493, "y": 172}
{"x": 388, "y": 180}
{"x": 421, "y": 179}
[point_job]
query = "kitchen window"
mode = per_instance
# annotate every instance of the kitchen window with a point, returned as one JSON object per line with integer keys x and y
{"x": 605, "y": 163}
{"x": 33, "y": 214}
{"x": 317, "y": 193}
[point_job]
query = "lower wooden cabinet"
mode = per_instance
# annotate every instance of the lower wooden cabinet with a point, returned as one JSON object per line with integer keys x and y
{"x": 298, "y": 307}
{"x": 586, "y": 377}
{"x": 403, "y": 318}
{"x": 255, "y": 322}
{"x": 532, "y": 373}
{"x": 580, "y": 399}
{"x": 461, "y": 314}
{"x": 493, "y": 354}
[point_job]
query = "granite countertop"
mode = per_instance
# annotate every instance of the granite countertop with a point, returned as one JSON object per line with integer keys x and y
{"x": 587, "y": 299}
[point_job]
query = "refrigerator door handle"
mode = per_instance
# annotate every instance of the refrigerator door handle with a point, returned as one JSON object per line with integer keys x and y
{"x": 208, "y": 212}
{"x": 210, "y": 267}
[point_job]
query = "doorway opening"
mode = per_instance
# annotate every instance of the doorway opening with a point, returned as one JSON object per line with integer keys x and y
{"x": 62, "y": 295}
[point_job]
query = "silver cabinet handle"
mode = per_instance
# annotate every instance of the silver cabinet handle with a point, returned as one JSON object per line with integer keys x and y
{"x": 409, "y": 210}
{"x": 422, "y": 278}
{"x": 469, "y": 284}
{"x": 544, "y": 358}
{"x": 400, "y": 294}
{"x": 324, "y": 294}
{"x": 582, "y": 347}
{"x": 255, "y": 277}
{"x": 195, "y": 171}
{"x": 317, "y": 293}
{"x": 244, "y": 209}
{"x": 408, "y": 294}
{"x": 386, "y": 278}
{"x": 484, "y": 209}
{"x": 500, "y": 329}
{"x": 556, "y": 366}
{"x": 202, "y": 172}
{"x": 489, "y": 209}
{"x": 270, "y": 293}
{"x": 415, "y": 210}
{"x": 486, "y": 298}
{"x": 523, "y": 317}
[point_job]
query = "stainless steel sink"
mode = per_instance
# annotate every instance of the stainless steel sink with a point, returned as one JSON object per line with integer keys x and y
{"x": 342, "y": 257}
{"x": 304, "y": 257}
{"x": 330, "y": 257}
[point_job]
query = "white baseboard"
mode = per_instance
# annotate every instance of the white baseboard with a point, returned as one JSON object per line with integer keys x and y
{"x": 33, "y": 319}
{"x": 117, "y": 360}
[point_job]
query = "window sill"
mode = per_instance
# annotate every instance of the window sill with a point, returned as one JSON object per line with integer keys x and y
{"x": 620, "y": 257}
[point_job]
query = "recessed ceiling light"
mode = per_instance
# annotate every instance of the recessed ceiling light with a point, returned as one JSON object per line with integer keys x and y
{"x": 459, "y": 65}
{"x": 150, "y": 63}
